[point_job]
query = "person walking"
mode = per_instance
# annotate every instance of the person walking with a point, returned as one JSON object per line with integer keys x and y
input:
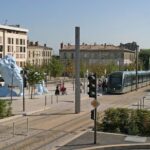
{"x": 57, "y": 90}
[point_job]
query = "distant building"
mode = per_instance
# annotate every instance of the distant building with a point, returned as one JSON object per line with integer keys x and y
{"x": 13, "y": 41}
{"x": 38, "y": 54}
{"x": 98, "y": 54}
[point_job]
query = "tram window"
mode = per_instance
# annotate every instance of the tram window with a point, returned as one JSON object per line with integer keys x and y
{"x": 116, "y": 80}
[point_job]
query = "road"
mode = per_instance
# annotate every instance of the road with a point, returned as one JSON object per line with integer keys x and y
{"x": 54, "y": 127}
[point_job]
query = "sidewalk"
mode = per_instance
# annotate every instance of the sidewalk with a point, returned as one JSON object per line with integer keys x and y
{"x": 107, "y": 141}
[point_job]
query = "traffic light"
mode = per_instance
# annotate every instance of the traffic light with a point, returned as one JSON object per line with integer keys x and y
{"x": 92, "y": 114}
{"x": 92, "y": 85}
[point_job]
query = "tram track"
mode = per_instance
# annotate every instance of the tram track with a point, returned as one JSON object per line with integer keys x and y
{"x": 58, "y": 130}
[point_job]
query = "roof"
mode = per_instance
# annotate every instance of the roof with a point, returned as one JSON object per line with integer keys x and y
{"x": 94, "y": 47}
{"x": 39, "y": 46}
{"x": 14, "y": 28}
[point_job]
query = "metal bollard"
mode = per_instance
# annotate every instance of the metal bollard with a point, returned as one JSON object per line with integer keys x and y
{"x": 13, "y": 129}
{"x": 51, "y": 99}
{"x": 138, "y": 105}
{"x": 143, "y": 102}
{"x": 27, "y": 126}
{"x": 45, "y": 100}
{"x": 57, "y": 98}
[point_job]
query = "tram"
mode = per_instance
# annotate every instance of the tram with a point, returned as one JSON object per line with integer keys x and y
{"x": 125, "y": 81}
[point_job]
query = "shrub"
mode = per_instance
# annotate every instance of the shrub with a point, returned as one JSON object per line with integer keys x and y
{"x": 5, "y": 108}
{"x": 134, "y": 122}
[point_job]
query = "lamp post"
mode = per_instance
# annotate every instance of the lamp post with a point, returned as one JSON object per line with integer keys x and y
{"x": 23, "y": 93}
{"x": 137, "y": 67}
{"x": 12, "y": 80}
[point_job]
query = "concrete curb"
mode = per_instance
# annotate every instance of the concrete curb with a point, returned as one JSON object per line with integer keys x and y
{"x": 10, "y": 118}
{"x": 71, "y": 139}
{"x": 119, "y": 147}
{"x": 22, "y": 114}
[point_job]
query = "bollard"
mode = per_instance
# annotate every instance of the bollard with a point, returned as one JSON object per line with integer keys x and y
{"x": 13, "y": 129}
{"x": 27, "y": 126}
{"x": 140, "y": 104}
{"x": 143, "y": 102}
{"x": 51, "y": 99}
{"x": 45, "y": 100}
{"x": 57, "y": 98}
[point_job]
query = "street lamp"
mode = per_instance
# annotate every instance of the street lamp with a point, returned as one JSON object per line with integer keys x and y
{"x": 23, "y": 91}
{"x": 137, "y": 67}
{"x": 12, "y": 81}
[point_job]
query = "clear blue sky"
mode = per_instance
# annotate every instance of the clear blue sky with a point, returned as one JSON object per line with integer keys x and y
{"x": 100, "y": 21}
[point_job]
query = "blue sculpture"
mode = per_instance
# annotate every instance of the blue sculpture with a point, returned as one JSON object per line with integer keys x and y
{"x": 10, "y": 72}
{"x": 41, "y": 89}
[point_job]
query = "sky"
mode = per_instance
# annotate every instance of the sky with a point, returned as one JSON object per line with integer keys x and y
{"x": 100, "y": 21}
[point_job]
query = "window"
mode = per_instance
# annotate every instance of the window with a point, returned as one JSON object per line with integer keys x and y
{"x": 20, "y": 41}
{"x": 1, "y": 48}
{"x": 17, "y": 49}
{"x": 72, "y": 56}
{"x": 0, "y": 39}
{"x": 9, "y": 40}
{"x": 17, "y": 41}
{"x": 65, "y": 56}
{"x": 20, "y": 49}
{"x": 29, "y": 54}
{"x": 9, "y": 48}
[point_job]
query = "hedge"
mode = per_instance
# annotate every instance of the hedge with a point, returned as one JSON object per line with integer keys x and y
{"x": 128, "y": 121}
{"x": 5, "y": 108}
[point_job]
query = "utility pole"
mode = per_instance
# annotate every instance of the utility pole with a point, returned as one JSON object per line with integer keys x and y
{"x": 137, "y": 67}
{"x": 77, "y": 70}
{"x": 23, "y": 91}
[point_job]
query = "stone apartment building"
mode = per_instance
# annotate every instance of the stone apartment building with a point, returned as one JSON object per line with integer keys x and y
{"x": 101, "y": 54}
{"x": 38, "y": 54}
{"x": 13, "y": 41}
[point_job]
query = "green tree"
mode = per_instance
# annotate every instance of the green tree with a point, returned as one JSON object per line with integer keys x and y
{"x": 34, "y": 77}
{"x": 144, "y": 56}
{"x": 55, "y": 67}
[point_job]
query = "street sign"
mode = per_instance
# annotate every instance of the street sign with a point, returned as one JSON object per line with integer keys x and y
{"x": 95, "y": 103}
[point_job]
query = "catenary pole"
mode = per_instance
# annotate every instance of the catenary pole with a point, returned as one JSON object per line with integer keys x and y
{"x": 137, "y": 68}
{"x": 77, "y": 70}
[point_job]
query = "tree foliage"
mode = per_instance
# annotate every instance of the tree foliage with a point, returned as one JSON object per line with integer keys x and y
{"x": 55, "y": 67}
{"x": 144, "y": 56}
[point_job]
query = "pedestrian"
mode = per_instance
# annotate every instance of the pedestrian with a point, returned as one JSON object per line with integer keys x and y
{"x": 104, "y": 86}
{"x": 57, "y": 90}
{"x": 63, "y": 89}
{"x": 81, "y": 87}
{"x": 99, "y": 86}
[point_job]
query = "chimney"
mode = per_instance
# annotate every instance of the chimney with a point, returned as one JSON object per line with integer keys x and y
{"x": 61, "y": 45}
{"x": 36, "y": 43}
{"x": 44, "y": 45}
{"x": 31, "y": 43}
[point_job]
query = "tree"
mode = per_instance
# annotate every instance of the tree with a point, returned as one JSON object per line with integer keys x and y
{"x": 34, "y": 77}
{"x": 144, "y": 56}
{"x": 55, "y": 67}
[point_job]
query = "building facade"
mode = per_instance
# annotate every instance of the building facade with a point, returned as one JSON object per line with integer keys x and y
{"x": 38, "y": 54}
{"x": 98, "y": 54}
{"x": 13, "y": 41}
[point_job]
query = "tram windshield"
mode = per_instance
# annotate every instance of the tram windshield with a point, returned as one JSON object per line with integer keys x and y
{"x": 115, "y": 79}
